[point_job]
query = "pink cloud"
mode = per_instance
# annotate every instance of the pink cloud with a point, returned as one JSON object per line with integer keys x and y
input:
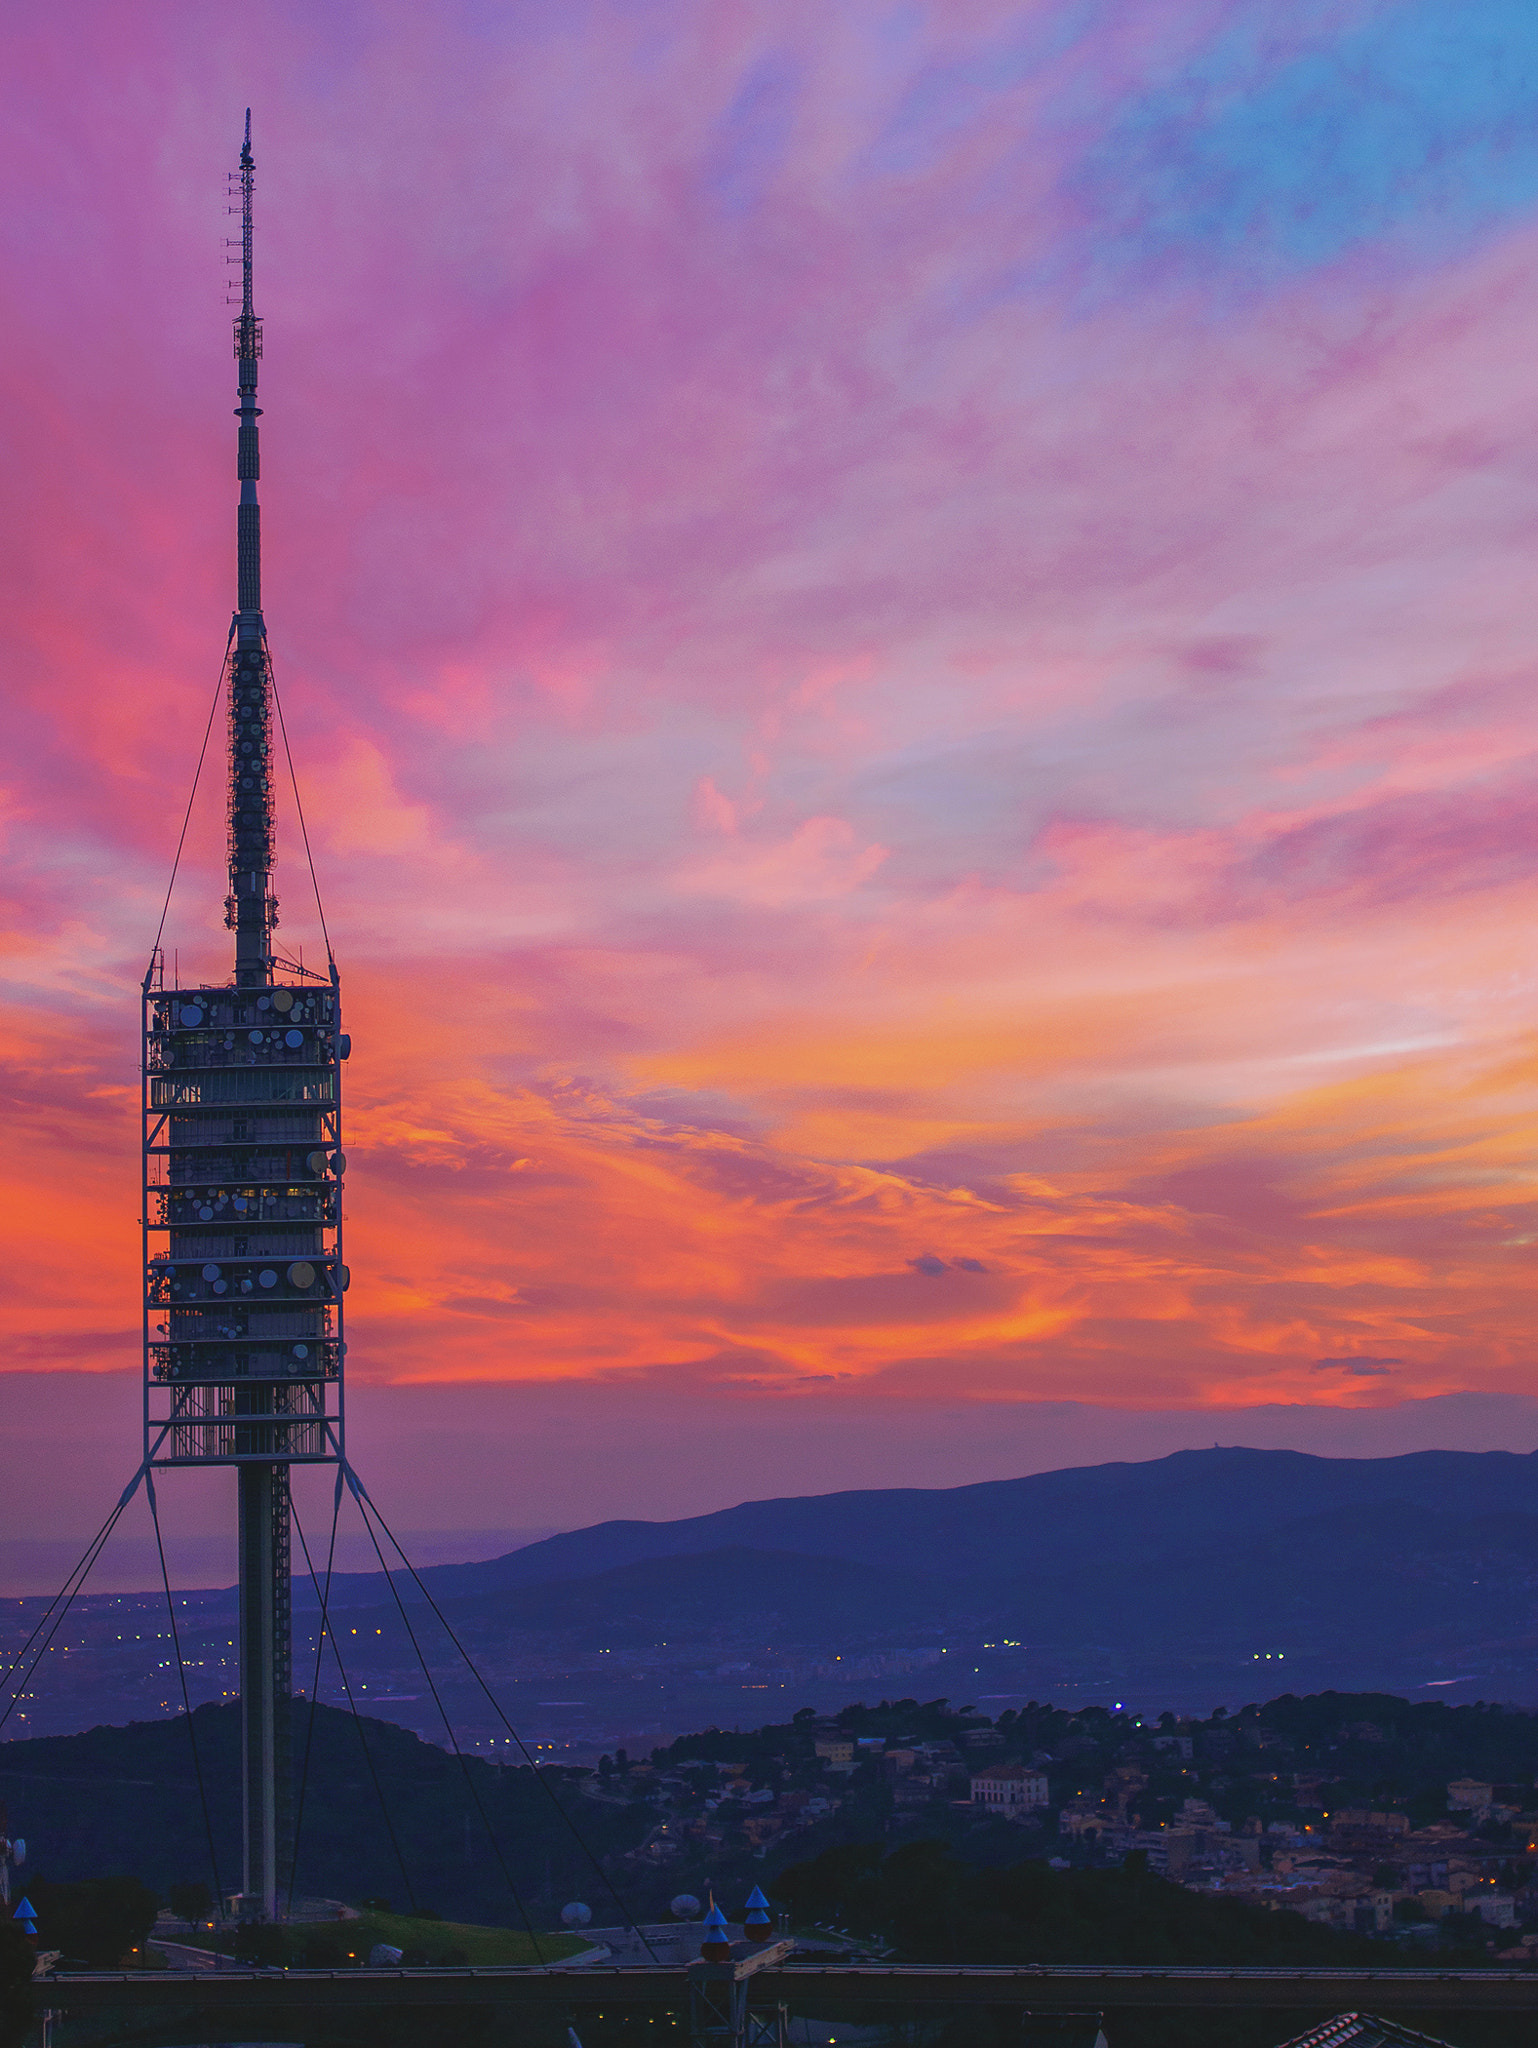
{"x": 839, "y": 730}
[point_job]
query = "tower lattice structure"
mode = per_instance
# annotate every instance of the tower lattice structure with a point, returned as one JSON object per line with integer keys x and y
{"x": 244, "y": 1331}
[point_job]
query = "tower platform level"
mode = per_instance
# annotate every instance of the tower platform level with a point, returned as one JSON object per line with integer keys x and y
{"x": 244, "y": 1314}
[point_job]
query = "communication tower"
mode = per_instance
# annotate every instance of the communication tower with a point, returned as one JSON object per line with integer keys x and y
{"x": 244, "y": 1335}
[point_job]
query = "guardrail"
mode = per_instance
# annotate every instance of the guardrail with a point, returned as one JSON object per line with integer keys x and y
{"x": 1043, "y": 1988}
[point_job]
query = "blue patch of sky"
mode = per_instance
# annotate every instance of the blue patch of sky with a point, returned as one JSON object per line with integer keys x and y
{"x": 952, "y": 95}
{"x": 1060, "y": 53}
{"x": 753, "y": 135}
{"x": 1417, "y": 128}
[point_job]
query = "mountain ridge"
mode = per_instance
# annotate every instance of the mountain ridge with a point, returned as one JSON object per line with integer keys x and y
{"x": 1044, "y": 1521}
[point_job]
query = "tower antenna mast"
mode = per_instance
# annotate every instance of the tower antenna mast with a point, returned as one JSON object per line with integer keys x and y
{"x": 248, "y": 349}
{"x": 242, "y": 1105}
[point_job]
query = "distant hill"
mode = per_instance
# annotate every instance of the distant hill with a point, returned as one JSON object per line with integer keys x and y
{"x": 1203, "y": 1520}
{"x": 824, "y": 1593}
{"x": 806, "y": 1599}
{"x": 1425, "y": 1555}
{"x": 1388, "y": 1579}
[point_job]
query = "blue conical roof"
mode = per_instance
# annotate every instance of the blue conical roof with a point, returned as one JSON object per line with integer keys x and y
{"x": 715, "y": 1917}
{"x": 24, "y": 1912}
{"x": 757, "y": 1902}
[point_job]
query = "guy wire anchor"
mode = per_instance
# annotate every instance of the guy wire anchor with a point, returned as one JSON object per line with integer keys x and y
{"x": 721, "y": 2014}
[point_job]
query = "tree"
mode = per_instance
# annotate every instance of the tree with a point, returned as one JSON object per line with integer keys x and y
{"x": 99, "y": 1920}
{"x": 935, "y": 1909}
{"x": 191, "y": 1899}
{"x": 16, "y": 2004}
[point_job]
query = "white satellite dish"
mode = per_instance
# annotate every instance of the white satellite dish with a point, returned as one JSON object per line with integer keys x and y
{"x": 283, "y": 999}
{"x": 293, "y": 1039}
{"x": 301, "y": 1274}
{"x": 576, "y": 1914}
{"x": 192, "y": 1016}
{"x": 210, "y": 1272}
{"x": 267, "y": 1277}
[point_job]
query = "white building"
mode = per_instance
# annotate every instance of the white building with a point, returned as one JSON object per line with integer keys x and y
{"x": 1496, "y": 1909}
{"x": 1009, "y": 1790}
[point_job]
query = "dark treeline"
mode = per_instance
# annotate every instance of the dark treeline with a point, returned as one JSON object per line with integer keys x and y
{"x": 937, "y": 1883}
{"x": 929, "y": 1906}
{"x": 125, "y": 1800}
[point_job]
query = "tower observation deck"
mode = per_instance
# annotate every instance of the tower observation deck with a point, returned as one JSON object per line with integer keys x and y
{"x": 244, "y": 1331}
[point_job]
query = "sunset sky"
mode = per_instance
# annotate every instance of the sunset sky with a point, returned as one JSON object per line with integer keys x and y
{"x": 910, "y": 636}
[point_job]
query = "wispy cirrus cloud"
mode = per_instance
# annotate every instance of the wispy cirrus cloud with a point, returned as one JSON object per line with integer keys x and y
{"x": 911, "y": 653}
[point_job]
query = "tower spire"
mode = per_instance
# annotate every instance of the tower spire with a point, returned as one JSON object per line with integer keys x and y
{"x": 248, "y": 349}
{"x": 251, "y": 907}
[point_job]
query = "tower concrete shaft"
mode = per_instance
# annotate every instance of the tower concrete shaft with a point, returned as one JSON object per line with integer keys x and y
{"x": 266, "y": 1687}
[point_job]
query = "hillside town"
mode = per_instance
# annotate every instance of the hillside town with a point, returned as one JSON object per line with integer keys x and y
{"x": 1363, "y": 1870}
{"x": 1412, "y": 1825}
{"x": 1315, "y": 1807}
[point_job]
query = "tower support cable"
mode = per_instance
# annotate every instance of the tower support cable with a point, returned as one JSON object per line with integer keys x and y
{"x": 322, "y": 1595}
{"x": 82, "y": 1567}
{"x": 304, "y": 830}
{"x": 362, "y": 1496}
{"x": 66, "y": 1594}
{"x": 357, "y": 1721}
{"x": 197, "y": 773}
{"x": 448, "y": 1729}
{"x": 181, "y": 1673}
